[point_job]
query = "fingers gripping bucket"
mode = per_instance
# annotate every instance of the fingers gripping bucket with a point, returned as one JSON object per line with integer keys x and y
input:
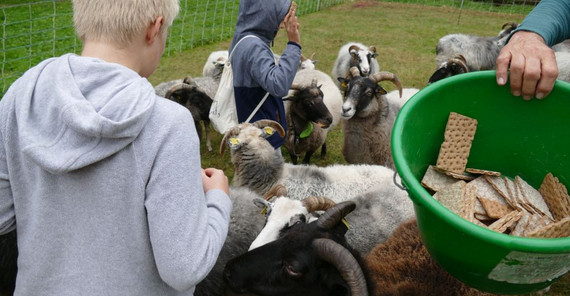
{"x": 515, "y": 137}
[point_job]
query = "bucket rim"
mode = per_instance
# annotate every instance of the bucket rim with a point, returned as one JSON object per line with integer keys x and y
{"x": 420, "y": 196}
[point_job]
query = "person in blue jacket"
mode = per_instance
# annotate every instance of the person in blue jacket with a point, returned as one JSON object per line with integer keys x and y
{"x": 528, "y": 56}
{"x": 253, "y": 63}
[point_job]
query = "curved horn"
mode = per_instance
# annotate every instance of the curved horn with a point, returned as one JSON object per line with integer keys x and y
{"x": 348, "y": 267}
{"x": 317, "y": 203}
{"x": 274, "y": 124}
{"x": 333, "y": 215}
{"x": 311, "y": 57}
{"x": 381, "y": 76}
{"x": 354, "y": 71}
{"x": 314, "y": 82}
{"x": 460, "y": 61}
{"x": 232, "y": 132}
{"x": 177, "y": 87}
{"x": 276, "y": 190}
{"x": 353, "y": 47}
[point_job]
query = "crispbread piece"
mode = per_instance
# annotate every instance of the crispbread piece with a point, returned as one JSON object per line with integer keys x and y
{"x": 521, "y": 226}
{"x": 455, "y": 149}
{"x": 469, "y": 202}
{"x": 436, "y": 180}
{"x": 499, "y": 184}
{"x": 514, "y": 195}
{"x": 451, "y": 197}
{"x": 506, "y": 221}
{"x": 553, "y": 230}
{"x": 462, "y": 176}
{"x": 533, "y": 197}
{"x": 495, "y": 209}
{"x": 482, "y": 172}
{"x": 556, "y": 197}
{"x": 486, "y": 190}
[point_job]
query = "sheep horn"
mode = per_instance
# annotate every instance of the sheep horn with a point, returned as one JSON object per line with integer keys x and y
{"x": 353, "y": 47}
{"x": 332, "y": 216}
{"x": 354, "y": 71}
{"x": 274, "y": 124}
{"x": 348, "y": 267}
{"x": 303, "y": 58}
{"x": 276, "y": 190}
{"x": 381, "y": 76}
{"x": 177, "y": 87}
{"x": 311, "y": 57}
{"x": 510, "y": 25}
{"x": 314, "y": 82}
{"x": 230, "y": 133}
{"x": 460, "y": 61}
{"x": 317, "y": 203}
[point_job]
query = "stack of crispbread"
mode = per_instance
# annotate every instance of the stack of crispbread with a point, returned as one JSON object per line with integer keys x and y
{"x": 486, "y": 198}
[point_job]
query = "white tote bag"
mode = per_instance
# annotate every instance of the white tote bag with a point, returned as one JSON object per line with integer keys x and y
{"x": 223, "y": 114}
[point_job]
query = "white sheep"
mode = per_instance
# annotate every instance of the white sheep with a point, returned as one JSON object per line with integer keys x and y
{"x": 355, "y": 54}
{"x": 563, "y": 62}
{"x": 215, "y": 63}
{"x": 369, "y": 117}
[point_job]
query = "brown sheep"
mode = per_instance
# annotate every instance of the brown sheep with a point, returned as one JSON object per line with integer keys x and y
{"x": 402, "y": 266}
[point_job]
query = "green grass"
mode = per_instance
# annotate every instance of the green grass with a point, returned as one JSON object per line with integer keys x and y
{"x": 405, "y": 36}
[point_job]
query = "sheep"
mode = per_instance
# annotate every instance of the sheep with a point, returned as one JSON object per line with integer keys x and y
{"x": 563, "y": 46}
{"x": 308, "y": 119}
{"x": 197, "y": 102}
{"x": 215, "y": 63}
{"x": 402, "y": 266}
{"x": 379, "y": 210}
{"x": 368, "y": 118}
{"x": 355, "y": 54}
{"x": 8, "y": 263}
{"x": 468, "y": 52}
{"x": 258, "y": 167}
{"x": 563, "y": 62}
{"x": 332, "y": 99}
{"x": 304, "y": 63}
{"x": 309, "y": 259}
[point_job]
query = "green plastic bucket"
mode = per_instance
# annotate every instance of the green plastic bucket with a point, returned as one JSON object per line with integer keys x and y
{"x": 515, "y": 137}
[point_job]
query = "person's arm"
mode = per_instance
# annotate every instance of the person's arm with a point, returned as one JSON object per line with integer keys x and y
{"x": 7, "y": 212}
{"x": 532, "y": 64}
{"x": 187, "y": 227}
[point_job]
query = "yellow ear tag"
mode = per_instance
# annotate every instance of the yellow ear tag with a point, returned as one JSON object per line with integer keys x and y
{"x": 345, "y": 223}
{"x": 233, "y": 141}
{"x": 344, "y": 85}
{"x": 269, "y": 130}
{"x": 263, "y": 211}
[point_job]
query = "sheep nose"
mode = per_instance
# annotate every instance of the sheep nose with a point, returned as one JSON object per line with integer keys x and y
{"x": 346, "y": 109}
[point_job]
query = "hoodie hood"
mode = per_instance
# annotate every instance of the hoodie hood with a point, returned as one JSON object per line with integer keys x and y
{"x": 80, "y": 110}
{"x": 260, "y": 18}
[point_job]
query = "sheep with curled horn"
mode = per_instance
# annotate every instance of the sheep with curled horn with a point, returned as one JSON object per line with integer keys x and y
{"x": 309, "y": 259}
{"x": 195, "y": 99}
{"x": 355, "y": 54}
{"x": 308, "y": 119}
{"x": 454, "y": 66}
{"x": 369, "y": 117}
{"x": 255, "y": 163}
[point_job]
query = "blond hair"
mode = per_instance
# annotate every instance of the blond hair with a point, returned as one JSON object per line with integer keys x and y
{"x": 119, "y": 21}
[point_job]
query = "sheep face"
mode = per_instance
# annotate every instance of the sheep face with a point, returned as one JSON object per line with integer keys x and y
{"x": 308, "y": 104}
{"x": 455, "y": 66}
{"x": 309, "y": 259}
{"x": 362, "y": 58}
{"x": 361, "y": 96}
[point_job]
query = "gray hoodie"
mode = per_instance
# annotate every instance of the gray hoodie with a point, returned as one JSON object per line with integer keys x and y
{"x": 101, "y": 179}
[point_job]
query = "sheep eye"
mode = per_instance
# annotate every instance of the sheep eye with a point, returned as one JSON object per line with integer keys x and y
{"x": 369, "y": 92}
{"x": 292, "y": 271}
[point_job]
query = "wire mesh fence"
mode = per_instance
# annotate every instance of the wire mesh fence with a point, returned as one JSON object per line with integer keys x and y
{"x": 32, "y": 31}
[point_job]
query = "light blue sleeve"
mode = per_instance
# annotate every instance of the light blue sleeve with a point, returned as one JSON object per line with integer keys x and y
{"x": 550, "y": 19}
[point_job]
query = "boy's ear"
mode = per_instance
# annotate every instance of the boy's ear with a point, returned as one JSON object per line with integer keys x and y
{"x": 153, "y": 29}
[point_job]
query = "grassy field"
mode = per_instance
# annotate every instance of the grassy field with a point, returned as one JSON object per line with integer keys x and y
{"x": 405, "y": 36}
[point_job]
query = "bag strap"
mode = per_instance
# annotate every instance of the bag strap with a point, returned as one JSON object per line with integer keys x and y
{"x": 266, "y": 95}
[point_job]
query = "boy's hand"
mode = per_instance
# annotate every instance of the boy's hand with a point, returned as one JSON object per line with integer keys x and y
{"x": 215, "y": 179}
{"x": 291, "y": 24}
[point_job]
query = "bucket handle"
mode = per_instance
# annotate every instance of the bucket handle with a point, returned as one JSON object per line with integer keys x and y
{"x": 398, "y": 184}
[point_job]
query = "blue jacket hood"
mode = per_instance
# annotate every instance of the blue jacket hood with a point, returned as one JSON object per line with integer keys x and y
{"x": 260, "y": 18}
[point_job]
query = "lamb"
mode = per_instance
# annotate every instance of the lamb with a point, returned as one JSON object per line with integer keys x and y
{"x": 479, "y": 53}
{"x": 368, "y": 116}
{"x": 332, "y": 99}
{"x": 215, "y": 63}
{"x": 189, "y": 95}
{"x": 355, "y": 54}
{"x": 307, "y": 63}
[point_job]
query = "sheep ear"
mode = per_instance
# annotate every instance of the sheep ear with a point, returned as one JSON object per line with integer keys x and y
{"x": 343, "y": 82}
{"x": 267, "y": 131}
{"x": 381, "y": 91}
{"x": 234, "y": 143}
